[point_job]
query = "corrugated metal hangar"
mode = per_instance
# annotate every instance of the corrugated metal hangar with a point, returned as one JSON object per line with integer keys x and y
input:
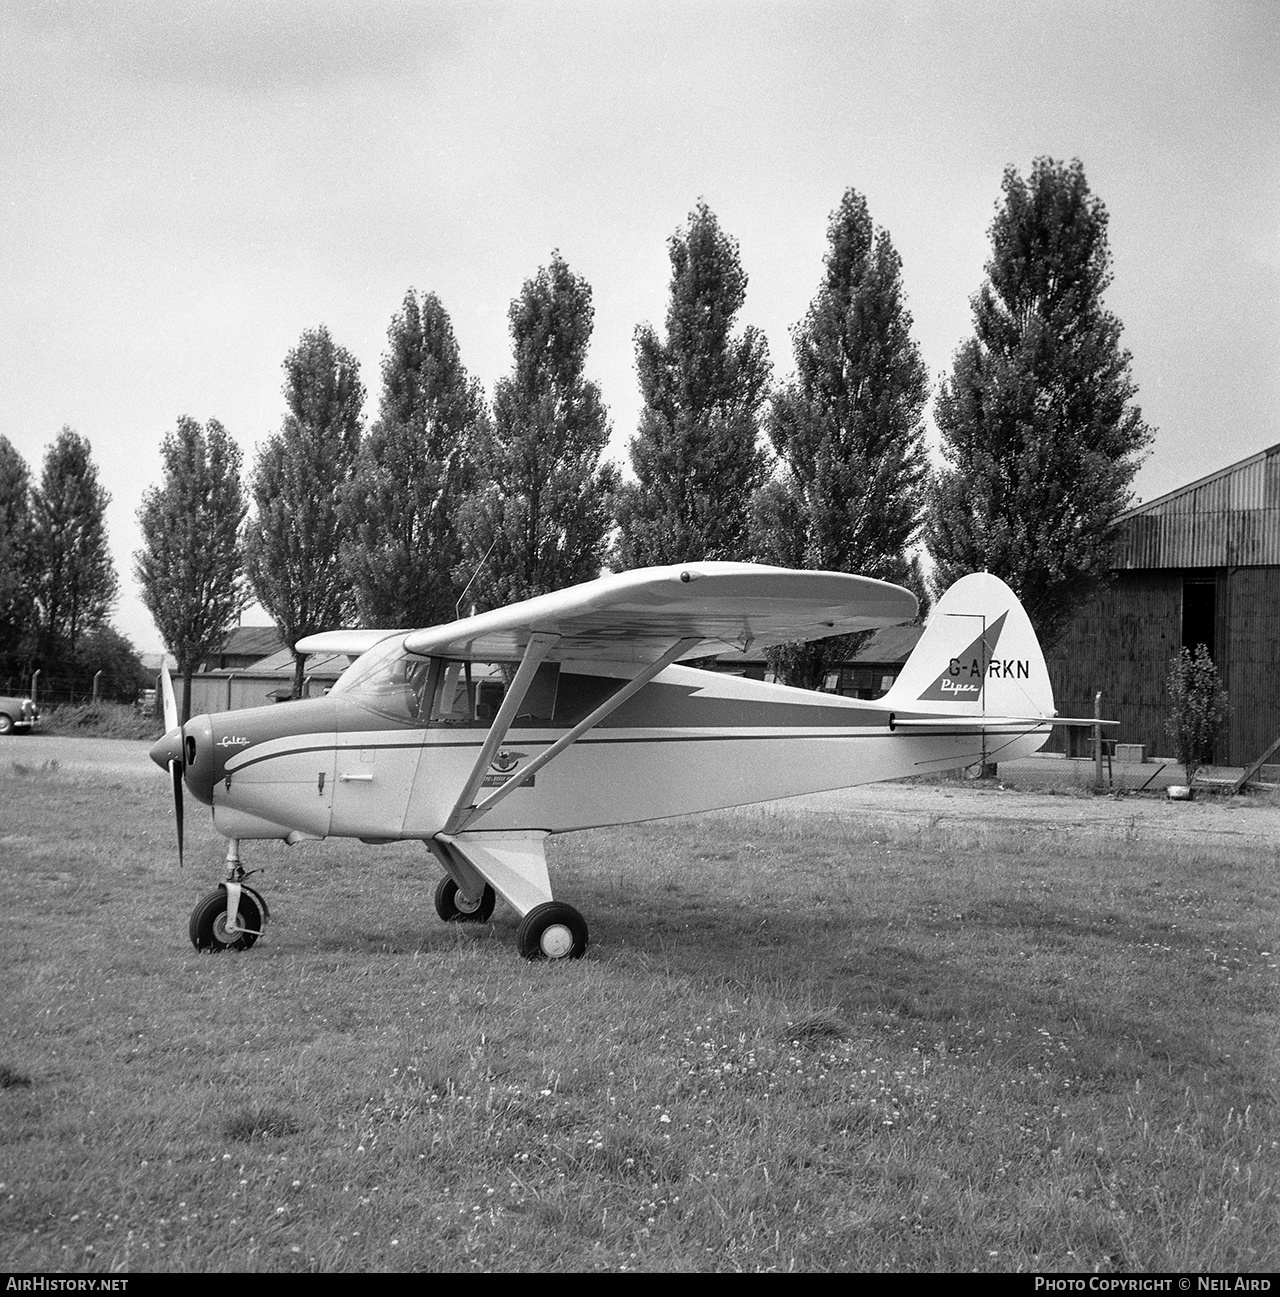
{"x": 1200, "y": 565}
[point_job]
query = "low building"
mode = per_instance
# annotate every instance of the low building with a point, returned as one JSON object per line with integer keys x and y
{"x": 268, "y": 680}
{"x": 869, "y": 673}
{"x": 242, "y": 647}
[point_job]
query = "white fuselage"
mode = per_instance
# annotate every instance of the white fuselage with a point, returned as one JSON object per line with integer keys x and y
{"x": 689, "y": 741}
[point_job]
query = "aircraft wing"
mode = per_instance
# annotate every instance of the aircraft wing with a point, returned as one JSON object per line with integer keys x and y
{"x": 350, "y": 642}
{"x": 637, "y": 616}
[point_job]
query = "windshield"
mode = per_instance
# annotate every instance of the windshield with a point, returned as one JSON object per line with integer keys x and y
{"x": 388, "y": 680}
{"x": 433, "y": 691}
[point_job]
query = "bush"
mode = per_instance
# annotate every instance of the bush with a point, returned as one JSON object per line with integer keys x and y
{"x": 1198, "y": 706}
{"x": 105, "y": 721}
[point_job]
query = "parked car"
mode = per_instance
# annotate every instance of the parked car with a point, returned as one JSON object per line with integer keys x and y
{"x": 18, "y": 716}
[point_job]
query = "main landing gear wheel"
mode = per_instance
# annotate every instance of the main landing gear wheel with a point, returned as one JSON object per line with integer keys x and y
{"x": 453, "y": 907}
{"x": 553, "y": 930}
{"x": 208, "y": 926}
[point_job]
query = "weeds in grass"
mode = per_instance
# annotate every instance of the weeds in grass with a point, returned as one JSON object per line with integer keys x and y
{"x": 9, "y": 1077}
{"x": 826, "y": 1024}
{"x": 260, "y": 1123}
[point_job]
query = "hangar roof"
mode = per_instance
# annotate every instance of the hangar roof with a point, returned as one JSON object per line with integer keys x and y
{"x": 1230, "y": 518}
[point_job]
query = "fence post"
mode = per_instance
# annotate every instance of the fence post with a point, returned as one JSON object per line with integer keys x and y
{"x": 97, "y": 675}
{"x": 1097, "y": 742}
{"x": 35, "y": 681}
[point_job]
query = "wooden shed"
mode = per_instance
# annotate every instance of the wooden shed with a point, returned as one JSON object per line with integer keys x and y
{"x": 1200, "y": 565}
{"x": 242, "y": 647}
{"x": 269, "y": 680}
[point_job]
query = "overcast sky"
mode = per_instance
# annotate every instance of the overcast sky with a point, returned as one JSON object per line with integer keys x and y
{"x": 186, "y": 187}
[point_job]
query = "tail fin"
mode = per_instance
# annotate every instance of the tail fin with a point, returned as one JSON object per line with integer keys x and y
{"x": 978, "y": 656}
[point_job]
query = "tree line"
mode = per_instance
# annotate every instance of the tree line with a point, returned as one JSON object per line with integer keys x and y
{"x": 57, "y": 580}
{"x": 447, "y": 503}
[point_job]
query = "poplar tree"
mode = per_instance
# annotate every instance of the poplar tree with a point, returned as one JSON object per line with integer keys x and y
{"x": 540, "y": 519}
{"x": 191, "y": 566}
{"x": 697, "y": 456}
{"x": 15, "y": 559}
{"x": 74, "y": 582}
{"x": 413, "y": 473}
{"x": 293, "y": 542}
{"x": 849, "y": 487}
{"x": 1039, "y": 433}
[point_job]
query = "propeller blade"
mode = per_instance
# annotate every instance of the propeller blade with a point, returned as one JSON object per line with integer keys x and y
{"x": 170, "y": 702}
{"x": 177, "y": 765}
{"x": 175, "y": 773}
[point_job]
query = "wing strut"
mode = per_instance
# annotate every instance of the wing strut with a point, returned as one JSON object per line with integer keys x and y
{"x": 539, "y": 645}
{"x": 464, "y": 814}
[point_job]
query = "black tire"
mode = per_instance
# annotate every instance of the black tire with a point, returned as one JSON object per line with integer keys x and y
{"x": 6, "y": 723}
{"x": 208, "y": 927}
{"x": 552, "y": 930}
{"x": 452, "y": 907}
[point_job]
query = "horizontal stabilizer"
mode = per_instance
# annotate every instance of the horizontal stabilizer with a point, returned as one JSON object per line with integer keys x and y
{"x": 986, "y": 722}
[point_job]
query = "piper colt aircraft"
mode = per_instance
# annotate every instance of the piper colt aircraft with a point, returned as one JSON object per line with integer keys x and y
{"x": 568, "y": 711}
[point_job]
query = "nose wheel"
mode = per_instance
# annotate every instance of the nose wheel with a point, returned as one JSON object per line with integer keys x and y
{"x": 212, "y": 929}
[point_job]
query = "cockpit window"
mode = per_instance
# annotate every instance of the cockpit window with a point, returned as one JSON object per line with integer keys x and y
{"x": 389, "y": 681}
{"x": 433, "y": 691}
{"x": 470, "y": 693}
{"x": 466, "y": 693}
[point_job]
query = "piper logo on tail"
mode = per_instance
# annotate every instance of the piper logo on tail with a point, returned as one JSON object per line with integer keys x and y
{"x": 964, "y": 674}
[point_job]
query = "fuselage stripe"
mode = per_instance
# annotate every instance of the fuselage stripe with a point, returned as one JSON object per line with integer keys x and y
{"x": 736, "y": 736}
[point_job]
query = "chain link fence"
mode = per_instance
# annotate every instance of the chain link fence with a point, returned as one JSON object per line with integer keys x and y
{"x": 54, "y": 690}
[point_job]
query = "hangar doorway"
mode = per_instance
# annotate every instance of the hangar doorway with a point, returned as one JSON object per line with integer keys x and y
{"x": 1200, "y": 614}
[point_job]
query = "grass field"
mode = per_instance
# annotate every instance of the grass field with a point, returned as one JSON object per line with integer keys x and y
{"x": 800, "y": 1041}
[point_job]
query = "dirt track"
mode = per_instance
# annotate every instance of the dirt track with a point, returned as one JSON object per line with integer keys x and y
{"x": 77, "y": 754}
{"x": 1250, "y": 817}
